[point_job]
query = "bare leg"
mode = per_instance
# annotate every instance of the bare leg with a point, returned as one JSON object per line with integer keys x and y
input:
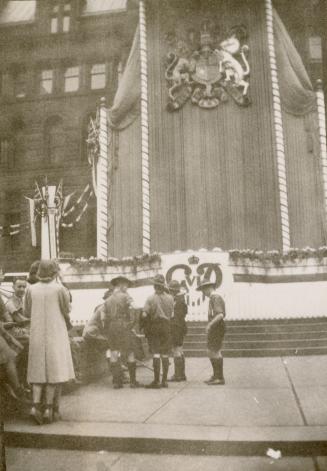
{"x": 50, "y": 390}
{"x": 12, "y": 374}
{"x": 57, "y": 396}
{"x": 37, "y": 393}
{"x": 35, "y": 412}
{"x": 116, "y": 370}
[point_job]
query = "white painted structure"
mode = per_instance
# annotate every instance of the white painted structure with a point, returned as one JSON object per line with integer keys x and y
{"x": 281, "y": 294}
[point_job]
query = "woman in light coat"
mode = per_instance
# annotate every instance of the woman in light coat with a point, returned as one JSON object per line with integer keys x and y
{"x": 50, "y": 362}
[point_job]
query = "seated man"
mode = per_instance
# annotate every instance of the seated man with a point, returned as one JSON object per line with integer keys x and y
{"x": 93, "y": 332}
{"x": 15, "y": 321}
{"x": 9, "y": 347}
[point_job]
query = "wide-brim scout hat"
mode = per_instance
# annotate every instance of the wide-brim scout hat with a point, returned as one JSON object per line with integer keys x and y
{"x": 159, "y": 280}
{"x": 205, "y": 283}
{"x": 120, "y": 279}
{"x": 174, "y": 286}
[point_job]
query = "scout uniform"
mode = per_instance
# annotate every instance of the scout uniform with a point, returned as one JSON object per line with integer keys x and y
{"x": 14, "y": 313}
{"x": 158, "y": 311}
{"x": 118, "y": 325}
{"x": 215, "y": 331}
{"x": 178, "y": 330}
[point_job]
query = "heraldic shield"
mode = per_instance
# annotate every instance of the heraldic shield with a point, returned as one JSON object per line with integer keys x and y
{"x": 209, "y": 69}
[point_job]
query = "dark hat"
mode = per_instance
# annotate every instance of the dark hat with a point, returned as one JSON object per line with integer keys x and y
{"x": 120, "y": 279}
{"x": 204, "y": 283}
{"x": 159, "y": 280}
{"x": 174, "y": 285}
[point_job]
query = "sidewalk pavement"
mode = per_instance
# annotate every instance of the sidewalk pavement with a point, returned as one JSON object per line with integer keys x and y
{"x": 277, "y": 402}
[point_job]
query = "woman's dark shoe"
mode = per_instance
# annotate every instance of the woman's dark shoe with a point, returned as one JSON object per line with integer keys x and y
{"x": 164, "y": 384}
{"x": 48, "y": 415}
{"x": 36, "y": 414}
{"x": 56, "y": 415}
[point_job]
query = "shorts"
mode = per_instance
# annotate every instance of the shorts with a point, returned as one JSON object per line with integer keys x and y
{"x": 178, "y": 333}
{"x": 120, "y": 337}
{"x": 159, "y": 337}
{"x": 216, "y": 336}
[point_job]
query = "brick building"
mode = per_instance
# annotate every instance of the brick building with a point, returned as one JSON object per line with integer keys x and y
{"x": 57, "y": 58}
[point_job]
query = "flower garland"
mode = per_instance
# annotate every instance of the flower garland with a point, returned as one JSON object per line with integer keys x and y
{"x": 133, "y": 262}
{"x": 277, "y": 257}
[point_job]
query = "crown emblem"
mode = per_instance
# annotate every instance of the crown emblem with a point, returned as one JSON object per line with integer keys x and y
{"x": 193, "y": 260}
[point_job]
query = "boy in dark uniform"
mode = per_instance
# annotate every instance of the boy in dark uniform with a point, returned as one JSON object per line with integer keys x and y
{"x": 158, "y": 311}
{"x": 118, "y": 325}
{"x": 215, "y": 331}
{"x": 178, "y": 330}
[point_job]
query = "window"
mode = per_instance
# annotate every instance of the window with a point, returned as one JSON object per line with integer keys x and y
{"x": 54, "y": 140}
{"x": 66, "y": 24}
{"x": 98, "y": 76}
{"x": 54, "y": 24}
{"x": 60, "y": 18}
{"x": 66, "y": 18}
{"x": 71, "y": 79}
{"x": 46, "y": 82}
{"x": 20, "y": 83}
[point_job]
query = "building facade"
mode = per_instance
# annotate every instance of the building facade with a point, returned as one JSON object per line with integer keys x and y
{"x": 57, "y": 59}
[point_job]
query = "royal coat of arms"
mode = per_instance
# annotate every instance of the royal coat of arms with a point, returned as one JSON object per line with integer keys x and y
{"x": 207, "y": 69}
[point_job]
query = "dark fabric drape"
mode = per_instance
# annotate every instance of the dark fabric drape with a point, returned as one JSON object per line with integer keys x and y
{"x": 302, "y": 148}
{"x": 295, "y": 87}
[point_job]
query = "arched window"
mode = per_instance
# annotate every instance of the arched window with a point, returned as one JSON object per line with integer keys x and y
{"x": 54, "y": 140}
